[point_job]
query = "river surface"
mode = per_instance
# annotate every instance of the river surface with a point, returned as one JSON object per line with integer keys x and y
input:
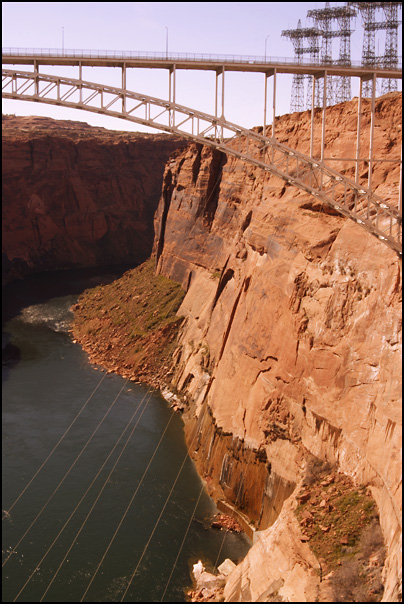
{"x": 117, "y": 511}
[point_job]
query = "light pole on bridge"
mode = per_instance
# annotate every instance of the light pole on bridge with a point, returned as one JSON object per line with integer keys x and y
{"x": 266, "y": 47}
{"x": 166, "y": 42}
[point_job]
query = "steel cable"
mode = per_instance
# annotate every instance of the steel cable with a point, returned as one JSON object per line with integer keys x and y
{"x": 63, "y": 479}
{"x": 54, "y": 449}
{"x": 161, "y": 514}
{"x": 236, "y": 502}
{"x": 182, "y": 543}
{"x": 128, "y": 506}
{"x": 157, "y": 521}
{"x": 76, "y": 508}
{"x": 102, "y": 489}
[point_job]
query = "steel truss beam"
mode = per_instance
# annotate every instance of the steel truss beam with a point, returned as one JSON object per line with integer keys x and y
{"x": 310, "y": 175}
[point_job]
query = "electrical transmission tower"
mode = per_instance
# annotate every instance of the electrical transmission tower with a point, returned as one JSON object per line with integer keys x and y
{"x": 343, "y": 16}
{"x": 390, "y": 58}
{"x": 390, "y": 23}
{"x": 313, "y": 36}
{"x": 323, "y": 21}
{"x": 298, "y": 36}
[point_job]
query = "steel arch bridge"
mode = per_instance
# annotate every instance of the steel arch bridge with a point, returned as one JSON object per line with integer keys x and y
{"x": 311, "y": 175}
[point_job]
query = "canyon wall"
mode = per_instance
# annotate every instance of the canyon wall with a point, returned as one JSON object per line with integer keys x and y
{"x": 78, "y": 196}
{"x": 291, "y": 344}
{"x": 290, "y": 348}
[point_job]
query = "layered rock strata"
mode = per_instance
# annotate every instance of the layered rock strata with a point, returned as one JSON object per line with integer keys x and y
{"x": 78, "y": 196}
{"x": 291, "y": 343}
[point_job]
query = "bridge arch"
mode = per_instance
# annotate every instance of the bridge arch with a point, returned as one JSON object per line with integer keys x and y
{"x": 349, "y": 198}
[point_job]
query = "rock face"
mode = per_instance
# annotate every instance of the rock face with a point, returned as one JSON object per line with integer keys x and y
{"x": 292, "y": 340}
{"x": 78, "y": 196}
{"x": 290, "y": 349}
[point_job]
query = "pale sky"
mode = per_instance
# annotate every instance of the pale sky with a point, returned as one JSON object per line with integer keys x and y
{"x": 220, "y": 28}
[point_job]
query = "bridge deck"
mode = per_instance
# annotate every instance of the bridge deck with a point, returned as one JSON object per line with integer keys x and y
{"x": 192, "y": 62}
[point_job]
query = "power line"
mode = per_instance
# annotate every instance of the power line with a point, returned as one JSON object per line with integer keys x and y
{"x": 155, "y": 526}
{"x": 63, "y": 479}
{"x": 55, "y": 447}
{"x": 127, "y": 507}
{"x": 72, "y": 514}
{"x": 182, "y": 543}
{"x": 160, "y": 516}
{"x": 102, "y": 489}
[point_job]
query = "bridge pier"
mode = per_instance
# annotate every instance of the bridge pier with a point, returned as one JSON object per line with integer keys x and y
{"x": 268, "y": 74}
{"x": 219, "y": 72}
{"x": 323, "y": 123}
{"x": 123, "y": 87}
{"x": 358, "y": 131}
{"x": 171, "y": 92}
{"x": 36, "y": 85}
{"x": 313, "y": 105}
{"x": 372, "y": 128}
{"x": 81, "y": 79}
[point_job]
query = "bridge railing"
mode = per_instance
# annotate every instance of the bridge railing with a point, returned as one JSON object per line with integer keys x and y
{"x": 165, "y": 56}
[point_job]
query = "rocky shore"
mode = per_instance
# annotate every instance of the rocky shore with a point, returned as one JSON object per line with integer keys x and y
{"x": 130, "y": 326}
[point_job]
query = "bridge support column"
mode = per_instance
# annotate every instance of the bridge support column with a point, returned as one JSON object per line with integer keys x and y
{"x": 124, "y": 88}
{"x": 274, "y": 106}
{"x": 218, "y": 74}
{"x": 358, "y": 131}
{"x": 372, "y": 128}
{"x": 171, "y": 94}
{"x": 313, "y": 102}
{"x": 265, "y": 106}
{"x": 81, "y": 79}
{"x": 267, "y": 75}
{"x": 323, "y": 125}
{"x": 36, "y": 71}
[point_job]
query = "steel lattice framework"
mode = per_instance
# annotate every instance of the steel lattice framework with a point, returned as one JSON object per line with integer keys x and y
{"x": 390, "y": 23}
{"x": 313, "y": 176}
{"x": 343, "y": 16}
{"x": 323, "y": 19}
{"x": 390, "y": 58}
{"x": 298, "y": 36}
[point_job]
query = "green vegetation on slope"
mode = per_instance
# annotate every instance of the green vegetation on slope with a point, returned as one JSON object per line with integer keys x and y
{"x": 339, "y": 521}
{"x": 130, "y": 326}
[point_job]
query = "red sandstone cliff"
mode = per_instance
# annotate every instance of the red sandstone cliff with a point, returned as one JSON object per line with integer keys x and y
{"x": 78, "y": 196}
{"x": 292, "y": 341}
{"x": 291, "y": 346}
